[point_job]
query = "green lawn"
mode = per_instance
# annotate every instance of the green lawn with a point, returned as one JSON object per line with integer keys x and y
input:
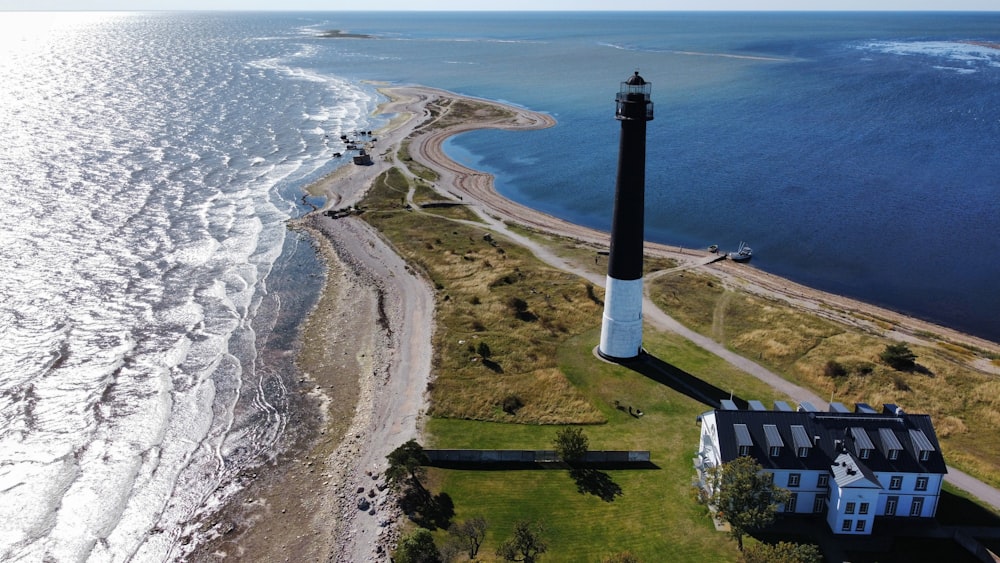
{"x": 651, "y": 511}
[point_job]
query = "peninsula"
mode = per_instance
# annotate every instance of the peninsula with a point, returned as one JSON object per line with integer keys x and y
{"x": 366, "y": 349}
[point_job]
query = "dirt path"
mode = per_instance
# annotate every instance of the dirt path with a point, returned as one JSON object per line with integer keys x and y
{"x": 374, "y": 329}
{"x": 477, "y": 187}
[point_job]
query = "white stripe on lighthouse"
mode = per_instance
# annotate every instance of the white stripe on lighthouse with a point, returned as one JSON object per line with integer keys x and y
{"x": 621, "y": 326}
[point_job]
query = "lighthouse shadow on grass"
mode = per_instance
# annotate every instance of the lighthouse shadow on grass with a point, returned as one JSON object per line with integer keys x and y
{"x": 679, "y": 380}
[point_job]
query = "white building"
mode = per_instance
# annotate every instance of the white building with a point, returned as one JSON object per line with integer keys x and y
{"x": 856, "y": 468}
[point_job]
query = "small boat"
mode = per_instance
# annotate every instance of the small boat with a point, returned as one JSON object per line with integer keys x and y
{"x": 713, "y": 249}
{"x": 742, "y": 254}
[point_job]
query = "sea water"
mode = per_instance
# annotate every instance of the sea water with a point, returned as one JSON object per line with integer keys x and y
{"x": 149, "y": 164}
{"x": 855, "y": 152}
{"x": 150, "y": 287}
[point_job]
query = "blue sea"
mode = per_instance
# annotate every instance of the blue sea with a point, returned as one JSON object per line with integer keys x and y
{"x": 151, "y": 291}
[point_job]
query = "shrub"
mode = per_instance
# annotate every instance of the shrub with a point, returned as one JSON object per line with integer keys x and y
{"x": 511, "y": 404}
{"x": 899, "y": 356}
{"x": 833, "y": 368}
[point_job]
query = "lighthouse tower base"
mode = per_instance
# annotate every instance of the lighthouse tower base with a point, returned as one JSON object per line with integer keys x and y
{"x": 621, "y": 326}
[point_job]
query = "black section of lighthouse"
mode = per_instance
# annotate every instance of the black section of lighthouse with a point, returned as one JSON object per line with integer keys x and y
{"x": 621, "y": 325}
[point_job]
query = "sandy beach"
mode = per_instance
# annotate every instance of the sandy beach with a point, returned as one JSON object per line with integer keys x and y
{"x": 366, "y": 351}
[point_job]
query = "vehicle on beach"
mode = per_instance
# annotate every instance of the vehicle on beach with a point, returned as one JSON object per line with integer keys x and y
{"x": 713, "y": 248}
{"x": 742, "y": 254}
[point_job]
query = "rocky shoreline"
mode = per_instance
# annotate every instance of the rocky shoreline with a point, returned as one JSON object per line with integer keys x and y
{"x": 366, "y": 353}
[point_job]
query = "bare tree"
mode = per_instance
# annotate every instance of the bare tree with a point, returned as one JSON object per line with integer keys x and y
{"x": 525, "y": 545}
{"x": 469, "y": 534}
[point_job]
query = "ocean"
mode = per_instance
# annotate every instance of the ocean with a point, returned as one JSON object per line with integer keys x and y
{"x": 151, "y": 290}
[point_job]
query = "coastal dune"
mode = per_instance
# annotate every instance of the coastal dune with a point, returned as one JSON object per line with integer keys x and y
{"x": 372, "y": 329}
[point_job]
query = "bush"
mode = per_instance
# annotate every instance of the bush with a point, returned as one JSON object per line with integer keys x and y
{"x": 417, "y": 547}
{"x": 511, "y": 404}
{"x": 571, "y": 443}
{"x": 782, "y": 552}
{"x": 833, "y": 368}
{"x": 899, "y": 356}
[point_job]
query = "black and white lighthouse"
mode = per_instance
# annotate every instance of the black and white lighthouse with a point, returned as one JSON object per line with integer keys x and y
{"x": 621, "y": 327}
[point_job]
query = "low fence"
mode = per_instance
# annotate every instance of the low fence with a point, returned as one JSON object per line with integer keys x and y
{"x": 533, "y": 456}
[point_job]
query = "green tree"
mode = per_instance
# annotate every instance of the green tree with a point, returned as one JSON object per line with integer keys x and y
{"x": 745, "y": 496}
{"x": 571, "y": 443}
{"x": 525, "y": 545}
{"x": 417, "y": 547}
{"x": 406, "y": 466}
{"x": 469, "y": 534}
{"x": 782, "y": 552}
{"x": 899, "y": 356}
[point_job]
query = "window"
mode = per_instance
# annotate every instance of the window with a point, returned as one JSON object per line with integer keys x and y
{"x": 865, "y": 453}
{"x": 921, "y": 483}
{"x": 890, "y": 506}
{"x": 846, "y": 526}
{"x": 793, "y": 479}
{"x": 917, "y": 507}
{"x": 863, "y": 509}
{"x": 803, "y": 452}
{"x": 895, "y": 483}
{"x": 819, "y": 504}
{"x": 860, "y": 526}
{"x": 743, "y": 439}
{"x": 774, "y": 441}
{"x": 793, "y": 499}
{"x": 823, "y": 481}
{"x": 850, "y": 508}
{"x": 893, "y": 455}
{"x": 924, "y": 455}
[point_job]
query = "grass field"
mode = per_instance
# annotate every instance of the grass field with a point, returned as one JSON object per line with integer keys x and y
{"x": 514, "y": 360}
{"x": 651, "y": 512}
{"x": 964, "y": 403}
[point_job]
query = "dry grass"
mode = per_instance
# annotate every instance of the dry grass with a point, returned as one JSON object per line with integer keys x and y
{"x": 494, "y": 293}
{"x": 963, "y": 401}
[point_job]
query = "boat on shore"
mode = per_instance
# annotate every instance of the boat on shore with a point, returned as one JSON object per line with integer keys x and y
{"x": 742, "y": 254}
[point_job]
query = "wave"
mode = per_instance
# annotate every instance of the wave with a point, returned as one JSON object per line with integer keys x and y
{"x": 154, "y": 180}
{"x": 972, "y": 55}
{"x": 638, "y": 49}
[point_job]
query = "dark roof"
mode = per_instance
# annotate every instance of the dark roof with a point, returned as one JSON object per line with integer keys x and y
{"x": 830, "y": 435}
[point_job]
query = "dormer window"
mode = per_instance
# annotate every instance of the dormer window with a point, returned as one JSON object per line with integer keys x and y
{"x": 774, "y": 442}
{"x": 862, "y": 442}
{"x": 890, "y": 443}
{"x": 743, "y": 439}
{"x": 921, "y": 445}
{"x": 800, "y": 439}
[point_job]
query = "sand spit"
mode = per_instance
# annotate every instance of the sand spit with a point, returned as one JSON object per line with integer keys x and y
{"x": 366, "y": 350}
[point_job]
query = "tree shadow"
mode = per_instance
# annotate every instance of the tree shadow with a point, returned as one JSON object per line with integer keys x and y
{"x": 594, "y": 482}
{"x": 680, "y": 380}
{"x": 426, "y": 510}
{"x": 492, "y": 366}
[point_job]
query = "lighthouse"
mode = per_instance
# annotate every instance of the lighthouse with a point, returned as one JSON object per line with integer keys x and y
{"x": 621, "y": 326}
